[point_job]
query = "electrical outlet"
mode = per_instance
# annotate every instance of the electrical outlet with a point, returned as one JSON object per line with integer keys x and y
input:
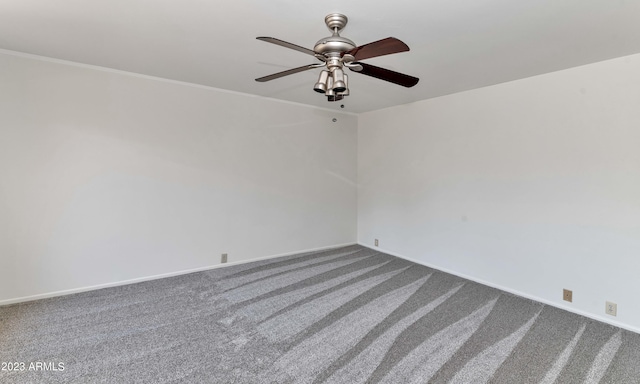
{"x": 375, "y": 242}
{"x": 223, "y": 258}
{"x": 611, "y": 308}
{"x": 567, "y": 295}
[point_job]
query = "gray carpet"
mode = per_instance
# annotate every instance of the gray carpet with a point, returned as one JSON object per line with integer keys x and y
{"x": 347, "y": 315}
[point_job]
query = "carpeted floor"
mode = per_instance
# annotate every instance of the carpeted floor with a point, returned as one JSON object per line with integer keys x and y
{"x": 347, "y": 315}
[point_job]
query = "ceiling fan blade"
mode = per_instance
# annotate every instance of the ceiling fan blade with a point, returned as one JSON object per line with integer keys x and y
{"x": 287, "y": 72}
{"x": 285, "y": 44}
{"x": 378, "y": 48}
{"x": 387, "y": 75}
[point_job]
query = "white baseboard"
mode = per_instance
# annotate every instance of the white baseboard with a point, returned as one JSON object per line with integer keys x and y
{"x": 155, "y": 277}
{"x": 509, "y": 290}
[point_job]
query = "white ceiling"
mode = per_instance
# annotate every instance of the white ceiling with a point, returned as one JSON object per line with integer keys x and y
{"x": 455, "y": 45}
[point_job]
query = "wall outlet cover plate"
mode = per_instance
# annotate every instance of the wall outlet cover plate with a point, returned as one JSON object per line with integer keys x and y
{"x": 567, "y": 295}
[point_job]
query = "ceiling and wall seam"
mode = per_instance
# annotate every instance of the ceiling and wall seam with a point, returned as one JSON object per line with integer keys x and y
{"x": 162, "y": 79}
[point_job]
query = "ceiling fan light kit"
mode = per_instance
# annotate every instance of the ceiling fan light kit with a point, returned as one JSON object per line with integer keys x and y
{"x": 337, "y": 52}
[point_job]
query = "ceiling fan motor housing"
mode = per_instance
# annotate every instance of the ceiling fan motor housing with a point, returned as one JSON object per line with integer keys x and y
{"x": 334, "y": 44}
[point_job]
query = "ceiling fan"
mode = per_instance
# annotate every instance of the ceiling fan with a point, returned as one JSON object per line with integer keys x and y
{"x": 336, "y": 52}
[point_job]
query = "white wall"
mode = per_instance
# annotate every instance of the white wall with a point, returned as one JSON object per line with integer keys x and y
{"x": 107, "y": 177}
{"x": 532, "y": 186}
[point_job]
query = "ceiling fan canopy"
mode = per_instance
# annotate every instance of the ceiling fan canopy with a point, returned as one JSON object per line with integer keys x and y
{"x": 336, "y": 52}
